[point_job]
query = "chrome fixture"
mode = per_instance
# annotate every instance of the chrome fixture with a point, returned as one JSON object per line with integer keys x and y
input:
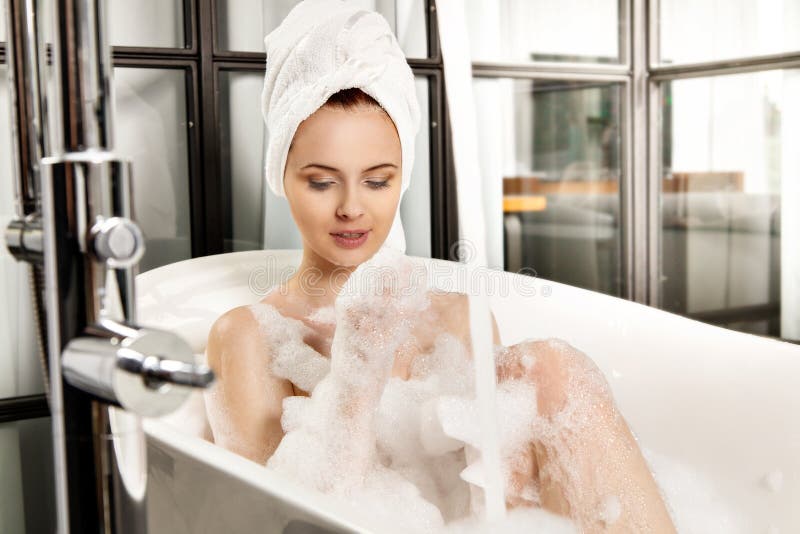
{"x": 75, "y": 222}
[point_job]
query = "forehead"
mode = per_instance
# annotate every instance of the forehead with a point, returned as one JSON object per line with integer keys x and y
{"x": 346, "y": 137}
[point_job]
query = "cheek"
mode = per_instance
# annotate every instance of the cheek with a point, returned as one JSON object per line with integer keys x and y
{"x": 306, "y": 207}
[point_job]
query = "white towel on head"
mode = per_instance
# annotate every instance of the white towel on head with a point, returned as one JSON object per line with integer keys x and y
{"x": 320, "y": 48}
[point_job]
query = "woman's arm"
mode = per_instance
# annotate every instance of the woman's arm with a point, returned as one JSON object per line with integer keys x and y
{"x": 244, "y": 405}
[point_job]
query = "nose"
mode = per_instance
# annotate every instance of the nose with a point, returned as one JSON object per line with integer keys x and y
{"x": 350, "y": 206}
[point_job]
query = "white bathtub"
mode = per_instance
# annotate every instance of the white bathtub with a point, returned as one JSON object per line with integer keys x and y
{"x": 724, "y": 404}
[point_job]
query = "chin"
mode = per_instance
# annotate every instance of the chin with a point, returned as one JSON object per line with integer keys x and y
{"x": 350, "y": 258}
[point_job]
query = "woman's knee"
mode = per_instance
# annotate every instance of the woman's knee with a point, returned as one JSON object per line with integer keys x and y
{"x": 557, "y": 370}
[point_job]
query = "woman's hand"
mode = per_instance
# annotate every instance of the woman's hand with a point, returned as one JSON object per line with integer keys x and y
{"x": 374, "y": 314}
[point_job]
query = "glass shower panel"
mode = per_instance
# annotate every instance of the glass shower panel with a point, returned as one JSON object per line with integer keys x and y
{"x": 147, "y": 23}
{"x": 705, "y": 30}
{"x": 550, "y": 155}
{"x": 2, "y": 21}
{"x": 27, "y": 494}
{"x": 243, "y": 24}
{"x": 242, "y": 149}
{"x": 521, "y": 31}
{"x": 730, "y": 202}
{"x": 20, "y": 370}
{"x": 151, "y": 128}
{"x": 254, "y": 217}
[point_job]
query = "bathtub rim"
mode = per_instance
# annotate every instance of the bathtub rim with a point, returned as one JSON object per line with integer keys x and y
{"x": 146, "y": 281}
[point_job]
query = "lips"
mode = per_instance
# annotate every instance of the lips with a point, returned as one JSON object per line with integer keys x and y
{"x": 351, "y": 238}
{"x": 351, "y": 231}
{"x": 350, "y": 234}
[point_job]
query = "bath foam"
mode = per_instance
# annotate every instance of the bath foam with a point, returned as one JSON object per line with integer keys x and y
{"x": 331, "y": 444}
{"x": 399, "y": 449}
{"x": 292, "y": 358}
{"x": 364, "y": 437}
{"x": 325, "y": 315}
{"x": 694, "y": 502}
{"x": 517, "y": 520}
{"x": 401, "y": 425}
{"x": 294, "y": 409}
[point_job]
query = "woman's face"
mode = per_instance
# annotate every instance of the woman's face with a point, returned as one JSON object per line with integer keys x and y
{"x": 343, "y": 175}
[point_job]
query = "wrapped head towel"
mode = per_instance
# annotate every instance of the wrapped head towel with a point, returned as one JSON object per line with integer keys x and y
{"x": 320, "y": 48}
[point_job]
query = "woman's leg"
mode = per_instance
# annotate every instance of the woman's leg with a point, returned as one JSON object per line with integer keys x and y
{"x": 584, "y": 460}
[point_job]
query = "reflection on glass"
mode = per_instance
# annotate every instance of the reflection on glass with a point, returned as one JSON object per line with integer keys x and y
{"x": 28, "y": 492}
{"x": 551, "y": 161}
{"x": 20, "y": 371}
{"x": 243, "y": 24}
{"x": 147, "y": 23}
{"x": 151, "y": 130}
{"x": 254, "y": 217}
{"x": 706, "y": 30}
{"x": 731, "y": 204}
{"x": 545, "y": 30}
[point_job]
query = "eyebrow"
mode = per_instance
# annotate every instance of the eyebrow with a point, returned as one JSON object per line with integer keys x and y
{"x": 334, "y": 169}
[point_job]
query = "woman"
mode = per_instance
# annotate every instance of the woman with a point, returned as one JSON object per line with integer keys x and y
{"x": 345, "y": 168}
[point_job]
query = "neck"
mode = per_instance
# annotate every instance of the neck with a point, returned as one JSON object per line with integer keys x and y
{"x": 317, "y": 280}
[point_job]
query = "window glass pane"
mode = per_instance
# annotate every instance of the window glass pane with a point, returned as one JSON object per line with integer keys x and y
{"x": 242, "y": 149}
{"x": 254, "y": 217}
{"x": 415, "y": 207}
{"x": 706, "y": 30}
{"x": 151, "y": 129}
{"x": 148, "y": 23}
{"x": 27, "y": 495}
{"x": 550, "y": 154}
{"x": 2, "y": 20}
{"x": 545, "y": 30}
{"x": 20, "y": 370}
{"x": 243, "y": 24}
{"x": 731, "y": 201}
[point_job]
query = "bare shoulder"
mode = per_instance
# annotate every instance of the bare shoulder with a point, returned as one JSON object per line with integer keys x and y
{"x": 236, "y": 332}
{"x": 234, "y": 321}
{"x": 244, "y": 405}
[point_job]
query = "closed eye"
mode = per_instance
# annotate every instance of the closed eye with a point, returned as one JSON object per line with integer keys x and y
{"x": 319, "y": 186}
{"x": 378, "y": 184}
